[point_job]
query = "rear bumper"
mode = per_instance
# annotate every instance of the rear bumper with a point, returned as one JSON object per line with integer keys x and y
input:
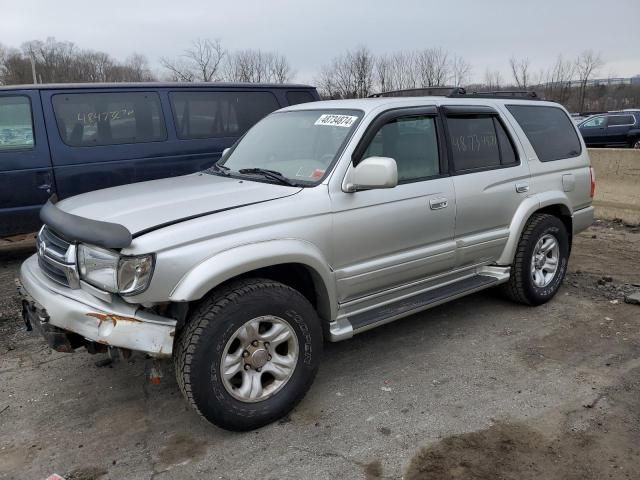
{"x": 582, "y": 219}
{"x": 54, "y": 310}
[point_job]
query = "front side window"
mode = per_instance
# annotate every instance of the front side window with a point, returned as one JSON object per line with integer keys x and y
{"x": 549, "y": 130}
{"x": 219, "y": 114}
{"x": 595, "y": 122}
{"x": 301, "y": 145}
{"x": 16, "y": 125}
{"x": 620, "y": 120}
{"x": 94, "y": 119}
{"x": 412, "y": 143}
{"x": 479, "y": 142}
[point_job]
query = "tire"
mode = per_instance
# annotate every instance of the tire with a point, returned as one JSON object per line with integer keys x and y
{"x": 525, "y": 287}
{"x": 635, "y": 143}
{"x": 220, "y": 325}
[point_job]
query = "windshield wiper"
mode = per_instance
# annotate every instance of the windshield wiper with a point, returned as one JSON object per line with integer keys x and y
{"x": 269, "y": 174}
{"x": 221, "y": 169}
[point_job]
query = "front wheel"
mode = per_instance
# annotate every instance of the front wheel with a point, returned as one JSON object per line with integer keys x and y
{"x": 248, "y": 354}
{"x": 635, "y": 143}
{"x": 540, "y": 262}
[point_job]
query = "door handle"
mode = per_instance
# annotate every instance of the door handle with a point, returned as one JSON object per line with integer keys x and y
{"x": 43, "y": 181}
{"x": 438, "y": 203}
{"x": 522, "y": 187}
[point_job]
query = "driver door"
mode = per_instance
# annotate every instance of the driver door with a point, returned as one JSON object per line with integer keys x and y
{"x": 385, "y": 238}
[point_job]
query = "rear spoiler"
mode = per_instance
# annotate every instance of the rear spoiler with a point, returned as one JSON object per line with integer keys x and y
{"x": 79, "y": 229}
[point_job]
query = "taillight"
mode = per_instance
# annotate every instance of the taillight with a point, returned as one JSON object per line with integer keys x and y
{"x": 593, "y": 181}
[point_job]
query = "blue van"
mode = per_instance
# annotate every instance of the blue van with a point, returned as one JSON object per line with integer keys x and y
{"x": 70, "y": 139}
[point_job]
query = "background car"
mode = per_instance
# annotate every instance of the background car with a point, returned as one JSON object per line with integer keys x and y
{"x": 613, "y": 129}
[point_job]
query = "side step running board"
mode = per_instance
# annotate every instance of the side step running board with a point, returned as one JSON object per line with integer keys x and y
{"x": 402, "y": 308}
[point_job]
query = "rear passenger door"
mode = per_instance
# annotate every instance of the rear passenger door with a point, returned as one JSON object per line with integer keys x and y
{"x": 26, "y": 179}
{"x": 617, "y": 128}
{"x": 489, "y": 180}
{"x": 106, "y": 137}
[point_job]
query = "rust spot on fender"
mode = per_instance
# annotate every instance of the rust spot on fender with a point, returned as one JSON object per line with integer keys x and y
{"x": 108, "y": 317}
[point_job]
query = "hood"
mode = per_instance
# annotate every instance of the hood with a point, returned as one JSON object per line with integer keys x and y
{"x": 144, "y": 206}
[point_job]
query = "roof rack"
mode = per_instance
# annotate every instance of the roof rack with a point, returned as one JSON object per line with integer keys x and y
{"x": 457, "y": 92}
{"x": 508, "y": 94}
{"x": 419, "y": 92}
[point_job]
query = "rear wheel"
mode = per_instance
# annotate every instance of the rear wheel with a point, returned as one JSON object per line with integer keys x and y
{"x": 635, "y": 143}
{"x": 248, "y": 354}
{"x": 540, "y": 262}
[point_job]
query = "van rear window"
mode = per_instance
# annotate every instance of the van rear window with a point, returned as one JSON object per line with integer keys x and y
{"x": 92, "y": 119}
{"x": 549, "y": 130}
{"x": 219, "y": 114}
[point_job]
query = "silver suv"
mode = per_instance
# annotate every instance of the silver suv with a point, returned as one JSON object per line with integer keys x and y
{"x": 323, "y": 221}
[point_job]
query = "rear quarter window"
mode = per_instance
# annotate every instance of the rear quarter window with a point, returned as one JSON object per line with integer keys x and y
{"x": 113, "y": 118}
{"x": 549, "y": 130}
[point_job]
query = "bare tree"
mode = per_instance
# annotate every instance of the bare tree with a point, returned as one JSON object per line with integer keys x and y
{"x": 587, "y": 64}
{"x": 492, "y": 79}
{"x": 520, "y": 69}
{"x": 201, "y": 62}
{"x": 556, "y": 82}
{"x": 257, "y": 66}
{"x": 460, "y": 71}
{"x": 348, "y": 76}
{"x": 433, "y": 67}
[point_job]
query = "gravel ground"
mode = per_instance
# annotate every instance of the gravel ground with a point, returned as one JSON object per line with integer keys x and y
{"x": 477, "y": 389}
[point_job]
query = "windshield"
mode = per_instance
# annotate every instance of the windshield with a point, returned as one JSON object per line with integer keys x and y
{"x": 301, "y": 145}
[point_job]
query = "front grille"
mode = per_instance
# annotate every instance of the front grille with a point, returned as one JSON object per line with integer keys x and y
{"x": 57, "y": 258}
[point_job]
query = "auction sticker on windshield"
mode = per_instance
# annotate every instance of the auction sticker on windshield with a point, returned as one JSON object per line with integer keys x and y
{"x": 336, "y": 120}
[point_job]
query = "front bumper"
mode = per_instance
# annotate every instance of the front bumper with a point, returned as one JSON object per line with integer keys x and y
{"x": 49, "y": 308}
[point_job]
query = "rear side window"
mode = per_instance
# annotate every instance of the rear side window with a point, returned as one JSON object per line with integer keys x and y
{"x": 93, "y": 119}
{"x": 621, "y": 120}
{"x": 294, "y": 97}
{"x": 479, "y": 142}
{"x": 219, "y": 114}
{"x": 16, "y": 126}
{"x": 549, "y": 130}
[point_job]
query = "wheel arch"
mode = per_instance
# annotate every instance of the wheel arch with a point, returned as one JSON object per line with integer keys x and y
{"x": 296, "y": 263}
{"x": 551, "y": 203}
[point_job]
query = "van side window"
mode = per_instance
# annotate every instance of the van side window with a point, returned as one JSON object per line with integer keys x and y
{"x": 295, "y": 97}
{"x": 412, "y": 143}
{"x": 92, "y": 119}
{"x": 549, "y": 130}
{"x": 219, "y": 114}
{"x": 16, "y": 124}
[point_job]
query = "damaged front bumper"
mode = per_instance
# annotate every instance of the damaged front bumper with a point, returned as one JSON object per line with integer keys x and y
{"x": 66, "y": 317}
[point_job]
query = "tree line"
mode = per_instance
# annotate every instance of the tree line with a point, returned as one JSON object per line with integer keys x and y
{"x": 356, "y": 73}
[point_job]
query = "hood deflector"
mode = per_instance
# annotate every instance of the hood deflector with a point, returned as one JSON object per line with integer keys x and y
{"x": 75, "y": 228}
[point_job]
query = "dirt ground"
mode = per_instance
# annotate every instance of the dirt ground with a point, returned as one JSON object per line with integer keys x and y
{"x": 477, "y": 389}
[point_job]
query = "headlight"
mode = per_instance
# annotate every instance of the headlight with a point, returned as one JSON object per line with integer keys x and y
{"x": 115, "y": 273}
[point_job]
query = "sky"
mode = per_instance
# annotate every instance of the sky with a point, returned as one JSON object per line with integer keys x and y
{"x": 486, "y": 33}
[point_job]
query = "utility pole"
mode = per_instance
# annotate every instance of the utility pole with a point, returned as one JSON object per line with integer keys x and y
{"x": 33, "y": 69}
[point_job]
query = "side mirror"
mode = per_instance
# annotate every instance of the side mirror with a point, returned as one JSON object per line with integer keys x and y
{"x": 224, "y": 152}
{"x": 372, "y": 173}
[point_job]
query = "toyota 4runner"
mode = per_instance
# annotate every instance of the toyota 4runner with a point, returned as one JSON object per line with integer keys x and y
{"x": 325, "y": 220}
